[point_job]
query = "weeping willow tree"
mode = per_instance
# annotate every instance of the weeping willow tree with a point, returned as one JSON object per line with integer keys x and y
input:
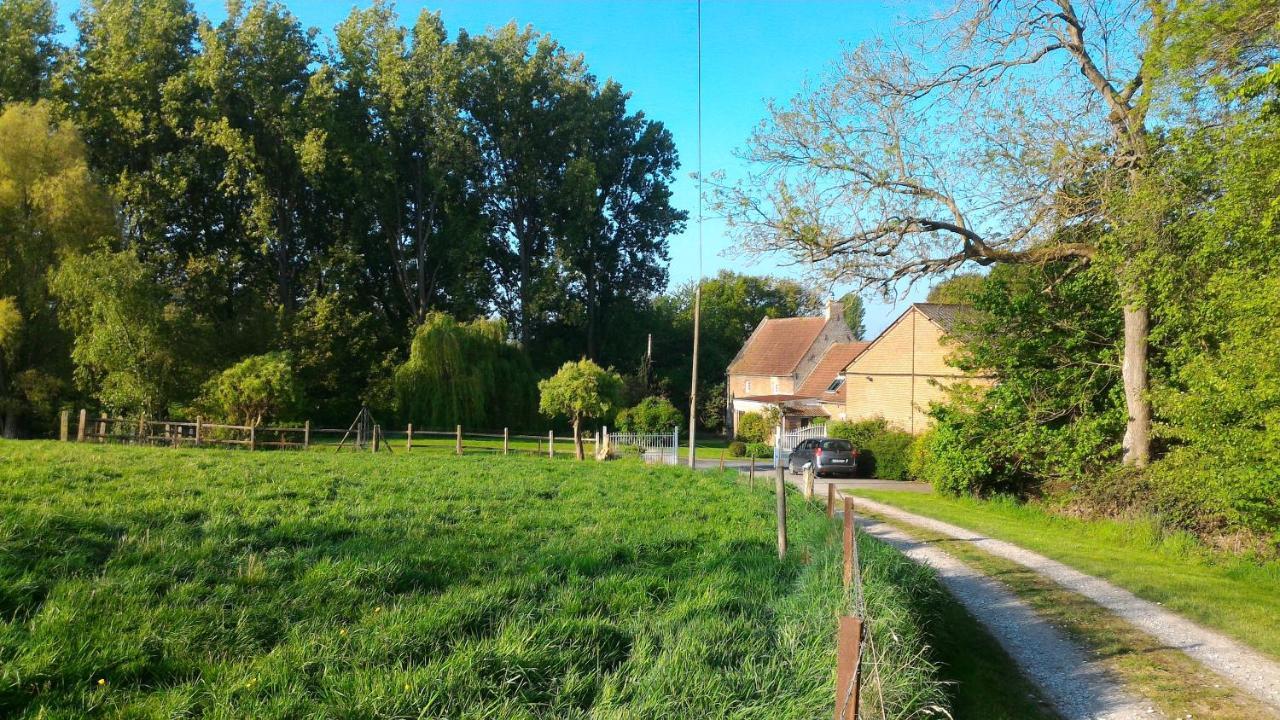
{"x": 468, "y": 374}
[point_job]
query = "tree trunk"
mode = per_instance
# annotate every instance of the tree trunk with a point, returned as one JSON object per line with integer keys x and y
{"x": 1134, "y": 371}
{"x": 577, "y": 439}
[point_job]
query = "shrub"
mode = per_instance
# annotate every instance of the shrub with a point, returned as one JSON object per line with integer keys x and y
{"x": 919, "y": 455}
{"x": 859, "y": 433}
{"x": 626, "y": 452}
{"x": 759, "y": 450}
{"x": 737, "y": 448}
{"x": 953, "y": 463}
{"x": 890, "y": 455}
{"x": 256, "y": 388}
{"x": 753, "y": 428}
{"x": 651, "y": 415}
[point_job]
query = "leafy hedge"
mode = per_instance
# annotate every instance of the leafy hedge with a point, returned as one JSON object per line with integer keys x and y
{"x": 882, "y": 451}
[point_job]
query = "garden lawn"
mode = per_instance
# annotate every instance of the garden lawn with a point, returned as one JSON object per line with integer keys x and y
{"x": 153, "y": 582}
{"x": 1238, "y": 595}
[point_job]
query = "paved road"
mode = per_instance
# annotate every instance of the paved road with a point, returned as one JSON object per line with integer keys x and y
{"x": 1254, "y": 673}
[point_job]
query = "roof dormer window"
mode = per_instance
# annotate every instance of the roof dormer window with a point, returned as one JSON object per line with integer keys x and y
{"x": 835, "y": 384}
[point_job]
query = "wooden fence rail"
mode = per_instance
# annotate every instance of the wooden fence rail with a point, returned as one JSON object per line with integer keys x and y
{"x": 185, "y": 433}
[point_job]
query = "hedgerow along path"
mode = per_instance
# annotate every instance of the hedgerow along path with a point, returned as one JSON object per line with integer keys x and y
{"x": 158, "y": 582}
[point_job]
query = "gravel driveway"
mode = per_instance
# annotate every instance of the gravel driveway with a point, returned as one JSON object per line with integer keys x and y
{"x": 1252, "y": 671}
{"x": 1078, "y": 685}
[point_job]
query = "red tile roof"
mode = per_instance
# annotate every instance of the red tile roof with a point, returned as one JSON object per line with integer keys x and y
{"x": 777, "y": 346}
{"x": 833, "y": 362}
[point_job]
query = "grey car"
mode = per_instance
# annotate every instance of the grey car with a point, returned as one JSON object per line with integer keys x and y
{"x": 829, "y": 456}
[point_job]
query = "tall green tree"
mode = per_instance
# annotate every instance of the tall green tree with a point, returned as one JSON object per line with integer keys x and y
{"x": 414, "y": 169}
{"x": 50, "y": 210}
{"x": 525, "y": 100}
{"x": 256, "y": 122}
{"x": 615, "y": 214}
{"x": 134, "y": 349}
{"x": 855, "y": 313}
{"x": 29, "y": 46}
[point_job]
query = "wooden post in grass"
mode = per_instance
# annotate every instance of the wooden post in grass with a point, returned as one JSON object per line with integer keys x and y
{"x": 142, "y": 428}
{"x": 102, "y": 427}
{"x": 808, "y": 483}
{"x": 64, "y": 425}
{"x": 84, "y": 416}
{"x": 506, "y": 441}
{"x": 306, "y": 434}
{"x": 780, "y": 489}
{"x": 721, "y": 459}
{"x": 848, "y": 667}
{"x": 850, "y": 547}
{"x": 457, "y": 449}
{"x": 253, "y": 437}
{"x": 408, "y": 437}
{"x": 752, "y": 476}
{"x": 551, "y": 443}
{"x": 199, "y": 430}
{"x": 377, "y": 437}
{"x": 831, "y": 500}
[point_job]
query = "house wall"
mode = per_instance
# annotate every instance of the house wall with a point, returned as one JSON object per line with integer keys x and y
{"x": 761, "y": 385}
{"x": 901, "y": 374}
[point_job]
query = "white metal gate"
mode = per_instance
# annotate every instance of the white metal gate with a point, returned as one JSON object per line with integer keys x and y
{"x": 658, "y": 448}
{"x": 790, "y": 440}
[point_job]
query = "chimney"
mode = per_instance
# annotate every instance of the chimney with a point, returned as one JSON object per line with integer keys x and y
{"x": 835, "y": 309}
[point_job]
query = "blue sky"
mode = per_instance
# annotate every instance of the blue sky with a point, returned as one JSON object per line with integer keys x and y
{"x": 752, "y": 51}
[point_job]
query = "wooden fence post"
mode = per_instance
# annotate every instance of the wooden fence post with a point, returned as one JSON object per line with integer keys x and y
{"x": 831, "y": 500}
{"x": 753, "y": 472}
{"x": 64, "y": 425}
{"x": 199, "y": 430}
{"x": 848, "y": 667}
{"x": 808, "y": 483}
{"x": 102, "y": 427}
{"x": 850, "y": 548}
{"x": 80, "y": 430}
{"x": 458, "y": 445}
{"x": 506, "y": 441}
{"x": 551, "y": 443}
{"x": 377, "y": 435}
{"x": 722, "y": 459}
{"x": 253, "y": 437}
{"x": 408, "y": 438}
{"x": 142, "y": 428}
{"x": 780, "y": 488}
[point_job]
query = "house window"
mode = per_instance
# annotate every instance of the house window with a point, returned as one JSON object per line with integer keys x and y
{"x": 775, "y": 385}
{"x": 746, "y": 386}
{"x": 835, "y": 384}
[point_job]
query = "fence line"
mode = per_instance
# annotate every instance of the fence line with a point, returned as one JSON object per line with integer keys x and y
{"x": 184, "y": 433}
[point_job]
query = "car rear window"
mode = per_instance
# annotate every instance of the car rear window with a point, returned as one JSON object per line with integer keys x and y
{"x": 837, "y": 445}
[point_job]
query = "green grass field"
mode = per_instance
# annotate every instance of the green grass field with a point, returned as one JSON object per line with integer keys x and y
{"x": 153, "y": 582}
{"x": 1239, "y": 596}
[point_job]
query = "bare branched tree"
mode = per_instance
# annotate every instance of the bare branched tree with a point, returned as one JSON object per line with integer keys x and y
{"x": 997, "y": 132}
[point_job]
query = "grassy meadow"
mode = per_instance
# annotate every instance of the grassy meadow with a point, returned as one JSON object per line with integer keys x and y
{"x": 154, "y": 582}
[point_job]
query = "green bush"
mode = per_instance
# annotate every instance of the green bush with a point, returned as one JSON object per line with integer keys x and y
{"x": 753, "y": 428}
{"x": 859, "y": 433}
{"x": 953, "y": 462}
{"x": 737, "y": 448}
{"x": 919, "y": 455}
{"x": 759, "y": 450}
{"x": 258, "y": 388}
{"x": 651, "y": 415}
{"x": 889, "y": 455}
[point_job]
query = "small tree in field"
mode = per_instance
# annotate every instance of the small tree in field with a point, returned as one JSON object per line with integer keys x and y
{"x": 580, "y": 390}
{"x": 255, "y": 388}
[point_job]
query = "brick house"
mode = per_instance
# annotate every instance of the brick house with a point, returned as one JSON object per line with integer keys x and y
{"x": 905, "y": 369}
{"x": 793, "y": 364}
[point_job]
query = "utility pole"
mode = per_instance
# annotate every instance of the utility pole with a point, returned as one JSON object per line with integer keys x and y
{"x": 697, "y": 294}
